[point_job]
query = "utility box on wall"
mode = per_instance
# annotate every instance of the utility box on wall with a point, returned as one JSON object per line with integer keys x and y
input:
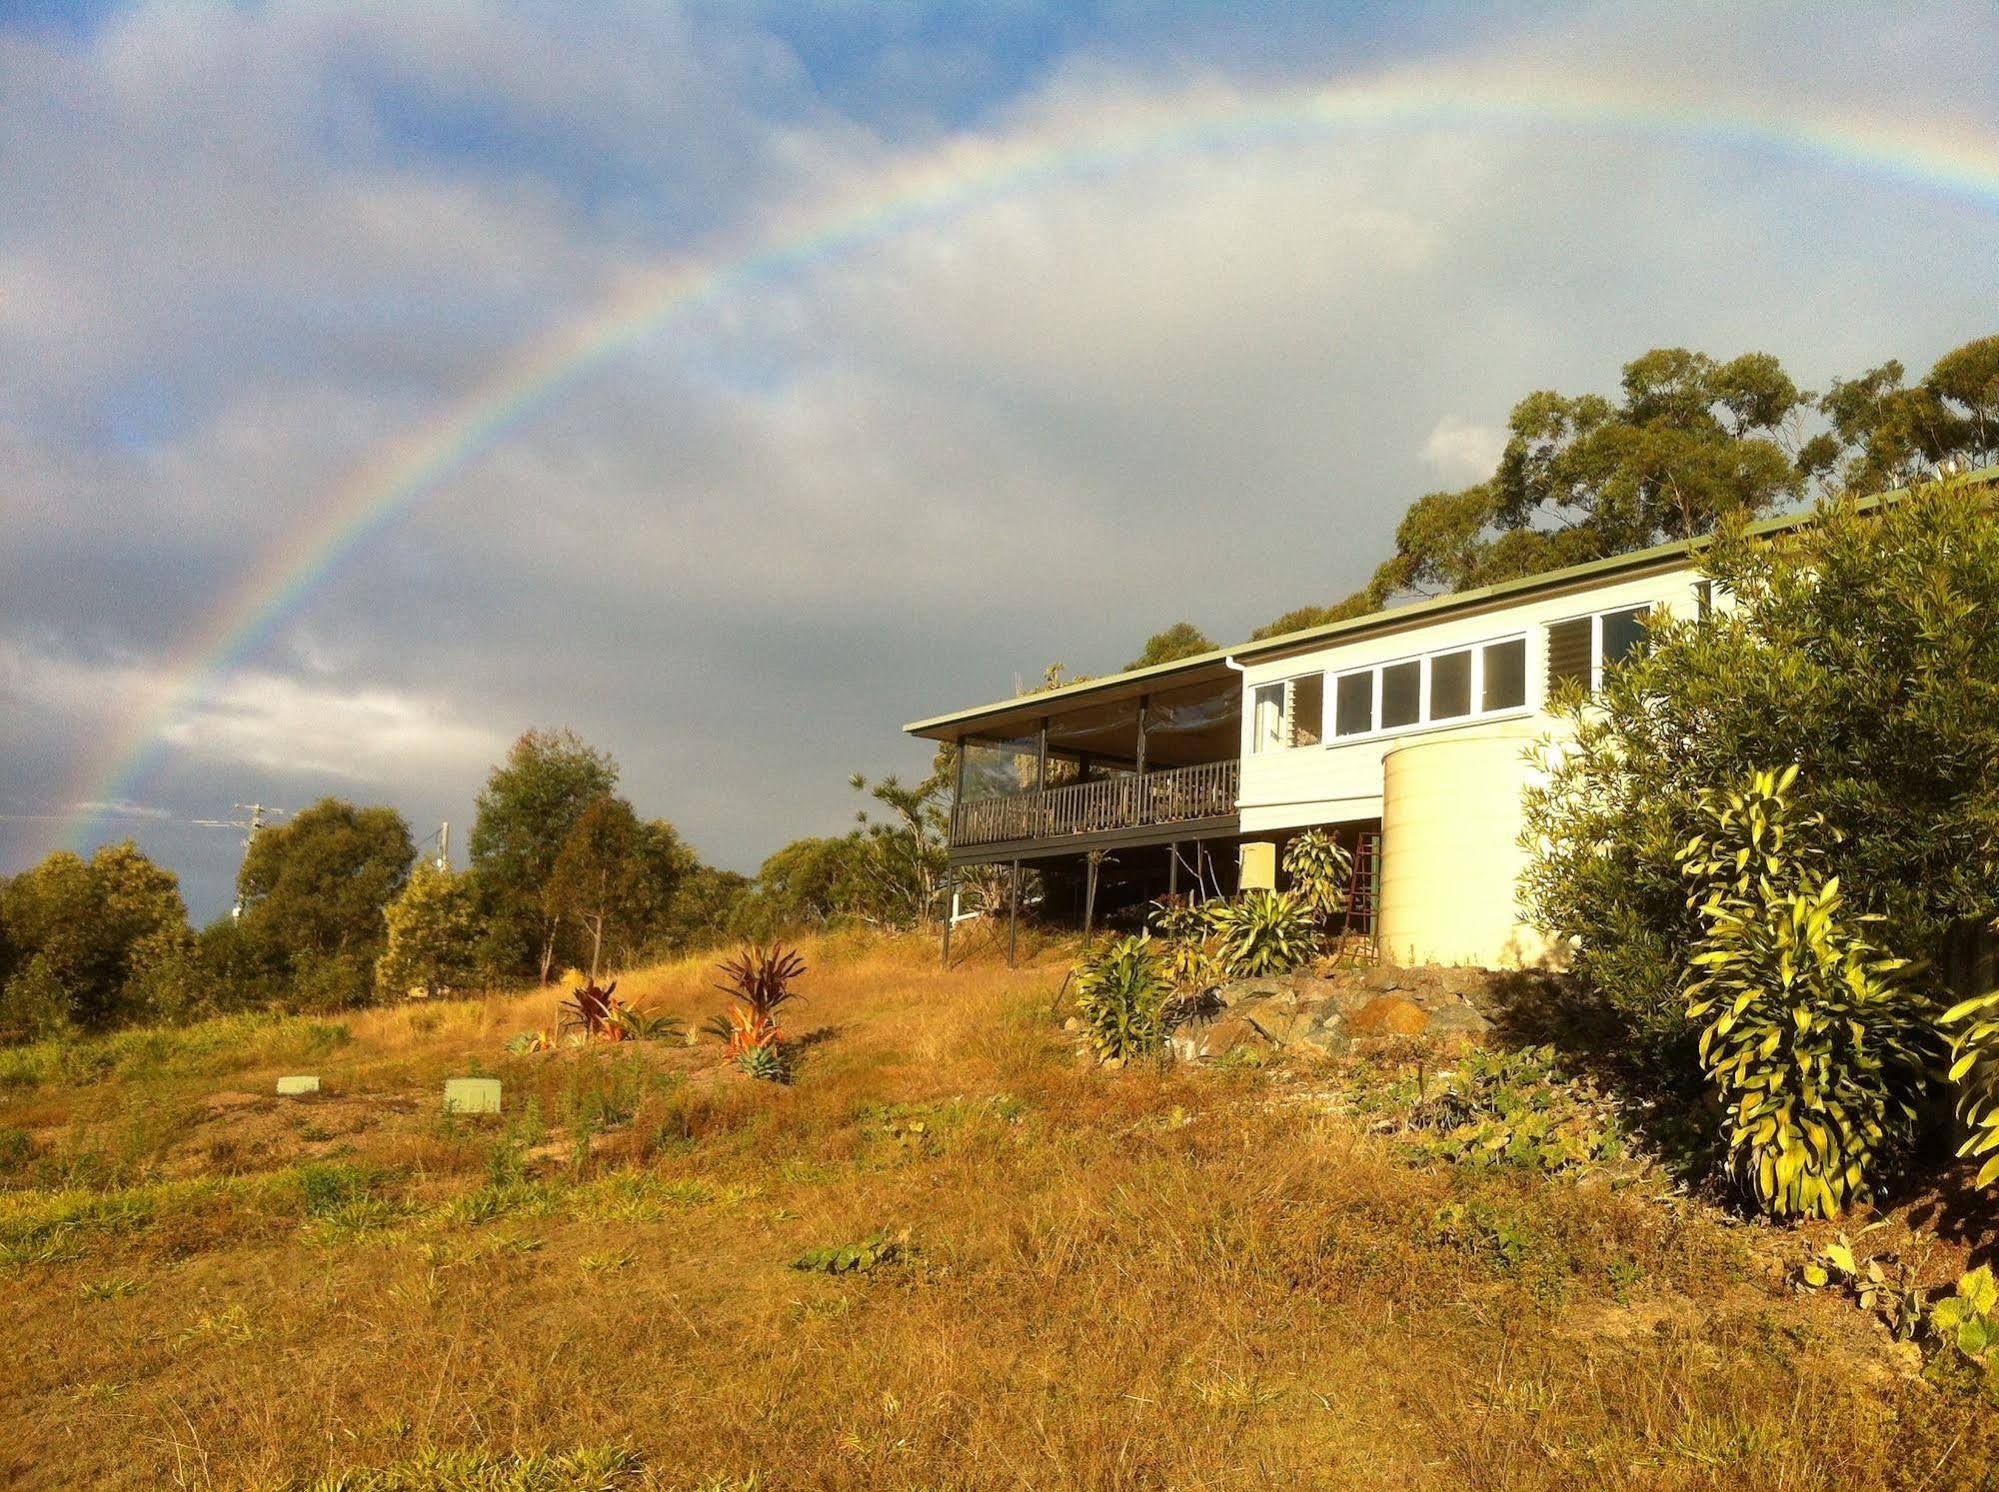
{"x": 1258, "y": 866}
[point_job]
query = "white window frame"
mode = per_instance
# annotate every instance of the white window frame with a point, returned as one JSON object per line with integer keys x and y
{"x": 1286, "y": 725}
{"x": 1596, "y": 635}
{"x": 1423, "y": 722}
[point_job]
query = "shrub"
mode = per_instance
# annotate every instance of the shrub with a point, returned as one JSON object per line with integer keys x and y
{"x": 1122, "y": 996}
{"x": 1852, "y": 647}
{"x": 1812, "y": 1039}
{"x": 1264, "y": 932}
{"x": 1974, "y": 1067}
{"x": 854, "y": 1258}
{"x": 1321, "y": 871}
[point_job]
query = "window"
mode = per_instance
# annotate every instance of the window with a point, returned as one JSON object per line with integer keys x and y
{"x": 1580, "y": 648}
{"x": 1308, "y": 709}
{"x": 1450, "y": 685}
{"x": 1353, "y": 704}
{"x": 1462, "y": 684}
{"x": 1504, "y": 682}
{"x": 1402, "y": 694}
{"x": 1287, "y": 714}
{"x": 1266, "y": 725}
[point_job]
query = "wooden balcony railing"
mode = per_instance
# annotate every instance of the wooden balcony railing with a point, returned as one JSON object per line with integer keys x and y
{"x": 1133, "y": 802}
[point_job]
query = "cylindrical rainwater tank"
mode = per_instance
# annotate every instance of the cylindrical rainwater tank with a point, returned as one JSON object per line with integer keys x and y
{"x": 1450, "y": 852}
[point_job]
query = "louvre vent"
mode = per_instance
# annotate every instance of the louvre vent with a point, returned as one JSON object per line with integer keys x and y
{"x": 1569, "y": 650}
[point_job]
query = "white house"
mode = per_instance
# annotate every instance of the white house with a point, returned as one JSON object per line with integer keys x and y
{"x": 1407, "y": 732}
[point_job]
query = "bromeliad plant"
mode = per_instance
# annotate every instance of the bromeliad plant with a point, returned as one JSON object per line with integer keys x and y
{"x": 1814, "y": 1041}
{"x": 758, "y": 982}
{"x": 1124, "y": 995}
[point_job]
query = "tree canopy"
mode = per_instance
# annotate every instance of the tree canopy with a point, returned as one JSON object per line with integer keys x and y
{"x": 1689, "y": 443}
{"x": 1181, "y": 640}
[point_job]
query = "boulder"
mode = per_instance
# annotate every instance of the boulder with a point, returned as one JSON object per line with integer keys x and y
{"x": 1389, "y": 1015}
{"x": 1458, "y": 1019}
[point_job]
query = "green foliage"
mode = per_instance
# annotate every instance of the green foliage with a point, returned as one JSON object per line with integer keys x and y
{"x": 1320, "y": 871}
{"x": 1181, "y": 640}
{"x": 1692, "y": 444}
{"x": 1189, "y": 945}
{"x": 1515, "y": 1108}
{"x": 316, "y": 887}
{"x": 869, "y": 1254}
{"x": 1123, "y": 992}
{"x": 1264, "y": 932}
{"x": 1895, "y": 434}
{"x": 1974, "y": 1066}
{"x": 1894, "y": 1298}
{"x": 1815, "y": 1044}
{"x": 1968, "y": 1320}
{"x": 600, "y": 1469}
{"x": 1855, "y": 649}
{"x": 82, "y": 937}
{"x": 433, "y": 934}
{"x": 526, "y": 811}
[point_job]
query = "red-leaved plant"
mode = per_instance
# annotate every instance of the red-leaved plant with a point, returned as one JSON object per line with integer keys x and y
{"x": 758, "y": 982}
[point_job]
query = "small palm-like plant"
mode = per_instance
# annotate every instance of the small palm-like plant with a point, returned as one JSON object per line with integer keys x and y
{"x": 1814, "y": 1040}
{"x": 634, "y": 1023}
{"x": 1321, "y": 870}
{"x": 1264, "y": 932}
{"x": 589, "y": 1007}
{"x": 758, "y": 980}
{"x": 1123, "y": 992}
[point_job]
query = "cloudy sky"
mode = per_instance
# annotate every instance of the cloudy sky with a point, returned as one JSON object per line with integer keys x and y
{"x": 1021, "y": 329}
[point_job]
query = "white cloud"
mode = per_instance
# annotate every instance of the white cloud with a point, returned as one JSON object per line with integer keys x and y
{"x": 1461, "y": 450}
{"x": 257, "y": 718}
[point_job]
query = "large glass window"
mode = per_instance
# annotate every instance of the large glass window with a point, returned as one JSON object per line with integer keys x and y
{"x": 1503, "y": 685}
{"x": 1461, "y": 684}
{"x": 1450, "y": 685}
{"x": 1402, "y": 694}
{"x": 1291, "y": 713}
{"x": 1353, "y": 704}
{"x": 1266, "y": 720}
{"x": 1623, "y": 633}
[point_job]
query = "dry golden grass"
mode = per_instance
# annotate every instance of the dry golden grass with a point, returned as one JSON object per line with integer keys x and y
{"x": 1135, "y": 1280}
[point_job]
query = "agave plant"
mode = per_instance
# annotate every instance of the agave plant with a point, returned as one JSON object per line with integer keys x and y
{"x": 1264, "y": 932}
{"x": 529, "y": 1042}
{"x": 759, "y": 982}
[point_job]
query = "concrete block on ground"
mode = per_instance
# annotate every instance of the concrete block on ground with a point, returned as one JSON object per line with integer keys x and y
{"x": 292, "y": 1087}
{"x": 471, "y": 1095}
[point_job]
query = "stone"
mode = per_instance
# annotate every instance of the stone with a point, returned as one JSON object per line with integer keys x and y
{"x": 1285, "y": 1027}
{"x": 1389, "y": 1015}
{"x": 471, "y": 1095}
{"x": 1232, "y": 1031}
{"x": 292, "y": 1087}
{"x": 1458, "y": 1019}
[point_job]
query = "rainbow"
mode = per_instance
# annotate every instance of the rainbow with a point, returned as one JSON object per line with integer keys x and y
{"x": 953, "y": 179}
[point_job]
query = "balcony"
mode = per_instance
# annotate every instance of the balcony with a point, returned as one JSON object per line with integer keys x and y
{"x": 1135, "y": 801}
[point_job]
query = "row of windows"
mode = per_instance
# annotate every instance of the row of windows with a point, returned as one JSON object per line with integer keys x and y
{"x": 1465, "y": 683}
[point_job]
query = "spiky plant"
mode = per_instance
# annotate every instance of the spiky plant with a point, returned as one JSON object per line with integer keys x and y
{"x": 1321, "y": 872}
{"x": 1264, "y": 932}
{"x": 635, "y": 1023}
{"x": 758, "y": 980}
{"x": 1123, "y": 992}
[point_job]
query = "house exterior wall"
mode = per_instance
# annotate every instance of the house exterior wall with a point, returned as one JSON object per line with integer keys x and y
{"x": 1447, "y": 794}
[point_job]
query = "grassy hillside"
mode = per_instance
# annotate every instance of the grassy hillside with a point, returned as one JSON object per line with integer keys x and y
{"x": 1231, "y": 1277}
